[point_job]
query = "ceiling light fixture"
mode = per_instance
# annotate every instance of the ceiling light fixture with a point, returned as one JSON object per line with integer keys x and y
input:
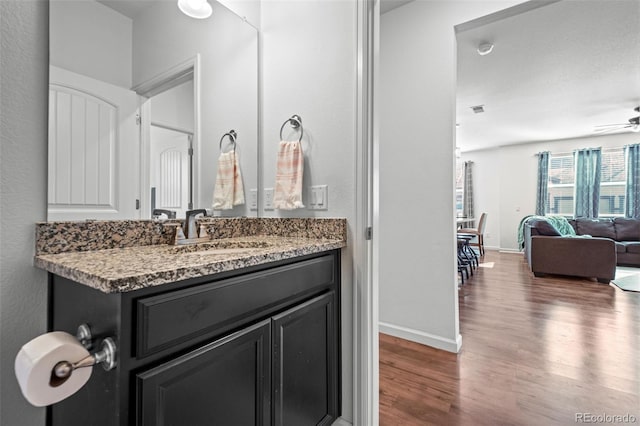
{"x": 485, "y": 48}
{"x": 198, "y": 9}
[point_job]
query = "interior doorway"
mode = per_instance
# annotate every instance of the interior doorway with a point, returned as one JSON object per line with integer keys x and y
{"x": 171, "y": 149}
{"x": 170, "y": 169}
{"x": 169, "y": 140}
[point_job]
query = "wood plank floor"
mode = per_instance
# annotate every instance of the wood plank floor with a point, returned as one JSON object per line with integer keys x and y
{"x": 535, "y": 351}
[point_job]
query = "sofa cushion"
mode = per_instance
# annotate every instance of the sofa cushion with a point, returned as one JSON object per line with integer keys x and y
{"x": 627, "y": 229}
{"x": 633, "y": 247}
{"x": 596, "y": 228}
{"x": 544, "y": 228}
{"x": 621, "y": 247}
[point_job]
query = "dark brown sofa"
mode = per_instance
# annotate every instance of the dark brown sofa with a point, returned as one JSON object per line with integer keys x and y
{"x": 600, "y": 245}
{"x": 623, "y": 231}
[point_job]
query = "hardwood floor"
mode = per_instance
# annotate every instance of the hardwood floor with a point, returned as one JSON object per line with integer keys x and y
{"x": 535, "y": 351}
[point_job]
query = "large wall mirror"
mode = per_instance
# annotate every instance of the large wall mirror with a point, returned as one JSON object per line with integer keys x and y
{"x": 140, "y": 99}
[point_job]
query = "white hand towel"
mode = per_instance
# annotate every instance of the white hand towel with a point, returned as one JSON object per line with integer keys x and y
{"x": 290, "y": 167}
{"x": 228, "y": 190}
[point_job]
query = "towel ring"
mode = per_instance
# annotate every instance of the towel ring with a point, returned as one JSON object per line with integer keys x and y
{"x": 296, "y": 122}
{"x": 232, "y": 137}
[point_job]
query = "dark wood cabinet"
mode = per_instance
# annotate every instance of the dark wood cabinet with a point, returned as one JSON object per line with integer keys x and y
{"x": 306, "y": 364}
{"x": 226, "y": 382}
{"x": 256, "y": 346}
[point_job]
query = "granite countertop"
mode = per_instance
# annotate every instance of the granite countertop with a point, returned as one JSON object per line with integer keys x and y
{"x": 131, "y": 268}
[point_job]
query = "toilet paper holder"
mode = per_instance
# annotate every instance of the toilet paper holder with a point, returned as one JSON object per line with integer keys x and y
{"x": 106, "y": 356}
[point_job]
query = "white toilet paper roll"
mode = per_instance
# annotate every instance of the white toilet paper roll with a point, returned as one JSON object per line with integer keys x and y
{"x": 34, "y": 365}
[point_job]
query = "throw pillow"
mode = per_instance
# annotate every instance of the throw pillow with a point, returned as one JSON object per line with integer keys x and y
{"x": 545, "y": 228}
{"x": 597, "y": 227}
{"x": 627, "y": 229}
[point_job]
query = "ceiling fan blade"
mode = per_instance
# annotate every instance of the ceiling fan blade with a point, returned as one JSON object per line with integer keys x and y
{"x": 611, "y": 125}
{"x": 609, "y": 129}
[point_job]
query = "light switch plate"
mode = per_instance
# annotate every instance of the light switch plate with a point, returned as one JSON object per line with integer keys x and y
{"x": 253, "y": 199}
{"x": 268, "y": 198}
{"x": 318, "y": 197}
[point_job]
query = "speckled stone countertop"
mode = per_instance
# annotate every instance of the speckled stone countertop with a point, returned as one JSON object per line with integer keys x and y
{"x": 127, "y": 268}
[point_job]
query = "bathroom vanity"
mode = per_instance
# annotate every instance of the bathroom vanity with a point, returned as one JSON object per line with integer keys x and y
{"x": 241, "y": 331}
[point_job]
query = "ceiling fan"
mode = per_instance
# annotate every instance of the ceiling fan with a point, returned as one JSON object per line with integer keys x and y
{"x": 633, "y": 124}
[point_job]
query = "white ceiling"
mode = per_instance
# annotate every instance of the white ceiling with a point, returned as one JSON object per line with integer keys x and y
{"x": 129, "y": 8}
{"x": 555, "y": 72}
{"x": 387, "y": 5}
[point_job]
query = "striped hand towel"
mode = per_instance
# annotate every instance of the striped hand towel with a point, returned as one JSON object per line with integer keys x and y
{"x": 288, "y": 189}
{"x": 228, "y": 190}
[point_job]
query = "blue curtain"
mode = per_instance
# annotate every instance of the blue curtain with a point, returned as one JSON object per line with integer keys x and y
{"x": 587, "y": 185}
{"x": 632, "y": 205}
{"x": 543, "y": 181}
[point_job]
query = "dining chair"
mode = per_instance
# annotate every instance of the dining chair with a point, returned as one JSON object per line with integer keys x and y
{"x": 464, "y": 267}
{"x": 476, "y": 232}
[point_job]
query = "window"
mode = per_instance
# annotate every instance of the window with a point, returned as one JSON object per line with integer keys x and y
{"x": 613, "y": 178}
{"x": 612, "y": 183}
{"x": 561, "y": 184}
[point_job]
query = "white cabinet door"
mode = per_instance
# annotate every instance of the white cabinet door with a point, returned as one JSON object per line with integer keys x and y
{"x": 94, "y": 149}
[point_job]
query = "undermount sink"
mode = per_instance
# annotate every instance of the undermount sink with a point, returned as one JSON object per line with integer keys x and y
{"x": 221, "y": 246}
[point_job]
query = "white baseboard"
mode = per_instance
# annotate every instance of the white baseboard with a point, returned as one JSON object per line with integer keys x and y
{"x": 502, "y": 250}
{"x": 421, "y": 337}
{"x": 341, "y": 422}
{"x": 511, "y": 251}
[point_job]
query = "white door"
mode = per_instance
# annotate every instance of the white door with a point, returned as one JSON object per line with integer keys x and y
{"x": 94, "y": 149}
{"x": 169, "y": 169}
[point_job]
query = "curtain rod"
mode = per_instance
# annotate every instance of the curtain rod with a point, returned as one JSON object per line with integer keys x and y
{"x": 571, "y": 152}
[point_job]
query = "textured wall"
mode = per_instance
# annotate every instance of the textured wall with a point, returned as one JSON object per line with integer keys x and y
{"x": 24, "y": 35}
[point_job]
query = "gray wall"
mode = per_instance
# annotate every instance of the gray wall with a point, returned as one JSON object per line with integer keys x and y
{"x": 174, "y": 107}
{"x": 417, "y": 267}
{"x": 309, "y": 61}
{"x": 91, "y": 39}
{"x": 24, "y": 35}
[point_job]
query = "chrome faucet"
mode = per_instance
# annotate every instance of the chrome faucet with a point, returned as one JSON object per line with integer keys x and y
{"x": 190, "y": 230}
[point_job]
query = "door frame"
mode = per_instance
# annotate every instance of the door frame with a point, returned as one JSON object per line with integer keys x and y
{"x": 174, "y": 76}
{"x": 365, "y": 277}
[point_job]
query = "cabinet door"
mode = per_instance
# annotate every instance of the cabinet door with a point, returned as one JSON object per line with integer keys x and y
{"x": 306, "y": 363}
{"x": 226, "y": 382}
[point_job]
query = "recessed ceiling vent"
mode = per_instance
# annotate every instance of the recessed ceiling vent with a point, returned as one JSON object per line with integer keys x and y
{"x": 478, "y": 109}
